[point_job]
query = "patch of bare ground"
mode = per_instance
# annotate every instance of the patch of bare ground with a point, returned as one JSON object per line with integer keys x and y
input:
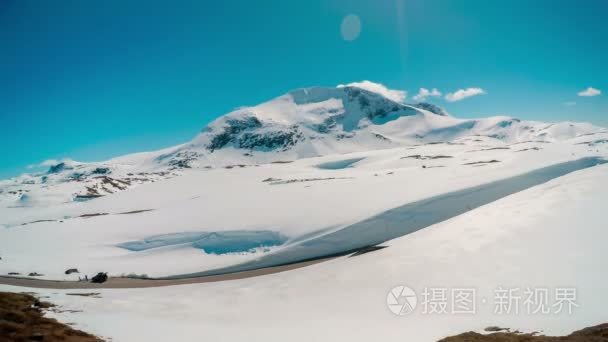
{"x": 289, "y": 181}
{"x": 483, "y": 162}
{"x": 37, "y": 221}
{"x": 421, "y": 157}
{"x": 530, "y": 149}
{"x": 597, "y": 333}
{"x": 93, "y": 215}
{"x": 490, "y": 149}
{"x": 22, "y": 319}
{"x": 89, "y": 294}
{"x": 134, "y": 211}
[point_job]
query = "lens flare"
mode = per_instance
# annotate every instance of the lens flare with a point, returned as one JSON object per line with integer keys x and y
{"x": 351, "y": 27}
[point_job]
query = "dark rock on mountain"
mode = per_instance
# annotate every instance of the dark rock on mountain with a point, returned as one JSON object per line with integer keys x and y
{"x": 59, "y": 167}
{"x": 231, "y": 130}
{"x": 431, "y": 108}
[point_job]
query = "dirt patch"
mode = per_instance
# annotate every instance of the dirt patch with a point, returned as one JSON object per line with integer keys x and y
{"x": 421, "y": 157}
{"x": 531, "y": 141}
{"x": 289, "y": 181}
{"x": 38, "y": 221}
{"x": 483, "y": 162}
{"x": 87, "y": 294}
{"x": 21, "y": 319}
{"x": 490, "y": 149}
{"x": 134, "y": 212}
{"x": 530, "y": 149}
{"x": 597, "y": 333}
{"x": 92, "y": 215}
{"x": 128, "y": 282}
{"x": 233, "y": 166}
{"x": 593, "y": 143}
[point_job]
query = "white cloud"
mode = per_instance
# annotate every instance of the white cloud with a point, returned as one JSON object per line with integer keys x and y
{"x": 589, "y": 92}
{"x": 50, "y": 162}
{"x": 570, "y": 103}
{"x": 462, "y": 94}
{"x": 391, "y": 94}
{"x": 423, "y": 93}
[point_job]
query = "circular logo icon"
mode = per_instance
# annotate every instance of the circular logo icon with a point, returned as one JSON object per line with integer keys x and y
{"x": 401, "y": 300}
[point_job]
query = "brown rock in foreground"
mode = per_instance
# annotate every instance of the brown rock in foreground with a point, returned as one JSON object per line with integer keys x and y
{"x": 597, "y": 333}
{"x": 21, "y": 319}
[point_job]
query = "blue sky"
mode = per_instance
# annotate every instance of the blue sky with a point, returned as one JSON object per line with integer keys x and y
{"x": 94, "y": 79}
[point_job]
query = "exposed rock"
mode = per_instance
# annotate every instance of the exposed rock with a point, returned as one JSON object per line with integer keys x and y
{"x": 421, "y": 157}
{"x": 80, "y": 198}
{"x": 59, "y": 167}
{"x": 270, "y": 140}
{"x": 37, "y": 337}
{"x": 431, "y": 108}
{"x": 101, "y": 170}
{"x": 93, "y": 215}
{"x": 101, "y": 277}
{"x": 232, "y": 129}
{"x": 71, "y": 270}
{"x": 597, "y": 333}
{"x": 483, "y": 162}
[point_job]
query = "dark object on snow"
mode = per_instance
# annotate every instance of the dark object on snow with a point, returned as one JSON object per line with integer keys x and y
{"x": 14, "y": 273}
{"x": 101, "y": 170}
{"x": 80, "y": 198}
{"x": 35, "y": 274}
{"x": 367, "y": 249}
{"x": 71, "y": 270}
{"x": 37, "y": 337}
{"x": 101, "y": 277}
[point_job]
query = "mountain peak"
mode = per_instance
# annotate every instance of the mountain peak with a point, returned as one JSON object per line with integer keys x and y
{"x": 315, "y": 121}
{"x": 302, "y": 123}
{"x": 431, "y": 108}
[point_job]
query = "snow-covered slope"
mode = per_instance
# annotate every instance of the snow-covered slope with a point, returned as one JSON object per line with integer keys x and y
{"x": 177, "y": 225}
{"x": 298, "y": 171}
{"x": 548, "y": 237}
{"x": 303, "y": 123}
{"x": 263, "y": 178}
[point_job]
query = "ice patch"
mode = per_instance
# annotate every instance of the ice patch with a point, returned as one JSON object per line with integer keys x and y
{"x": 233, "y": 241}
{"x": 339, "y": 164}
{"x": 238, "y": 241}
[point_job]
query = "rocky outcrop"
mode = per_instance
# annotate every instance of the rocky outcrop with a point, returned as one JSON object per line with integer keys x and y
{"x": 101, "y": 277}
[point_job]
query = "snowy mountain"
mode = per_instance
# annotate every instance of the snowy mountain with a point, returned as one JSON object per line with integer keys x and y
{"x": 319, "y": 121}
{"x": 311, "y": 175}
{"x": 303, "y": 123}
